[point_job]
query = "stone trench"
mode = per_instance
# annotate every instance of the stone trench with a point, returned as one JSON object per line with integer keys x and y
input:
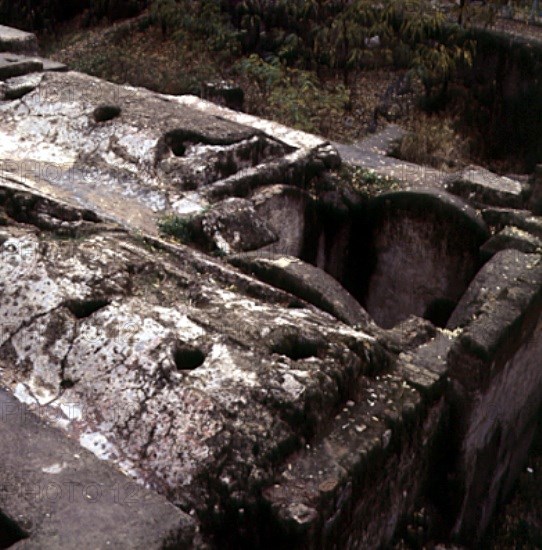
{"x": 309, "y": 368}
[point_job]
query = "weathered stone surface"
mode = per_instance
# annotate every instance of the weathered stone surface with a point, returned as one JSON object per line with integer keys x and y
{"x": 181, "y": 377}
{"x": 512, "y": 237}
{"x": 495, "y": 367}
{"x": 305, "y": 281}
{"x": 19, "y": 86}
{"x": 45, "y": 213}
{"x": 425, "y": 251}
{"x": 343, "y": 490}
{"x": 499, "y": 218}
{"x": 409, "y": 334}
{"x": 159, "y": 156}
{"x": 267, "y": 420}
{"x": 12, "y": 65}
{"x": 231, "y": 226}
{"x": 285, "y": 209}
{"x": 482, "y": 187}
{"x": 62, "y": 496}
{"x": 425, "y": 367}
{"x": 492, "y": 283}
{"x": 17, "y": 41}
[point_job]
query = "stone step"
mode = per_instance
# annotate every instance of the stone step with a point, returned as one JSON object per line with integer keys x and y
{"x": 15, "y": 65}
{"x": 340, "y": 491}
{"x": 12, "y": 65}
{"x": 499, "y": 218}
{"x": 14, "y": 40}
{"x": 481, "y": 187}
{"x": 61, "y": 496}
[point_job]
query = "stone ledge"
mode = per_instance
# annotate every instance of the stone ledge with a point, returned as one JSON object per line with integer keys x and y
{"x": 14, "y": 40}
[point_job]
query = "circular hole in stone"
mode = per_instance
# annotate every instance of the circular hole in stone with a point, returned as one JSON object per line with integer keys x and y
{"x": 103, "y": 113}
{"x": 177, "y": 146}
{"x": 187, "y": 357}
{"x": 66, "y": 384}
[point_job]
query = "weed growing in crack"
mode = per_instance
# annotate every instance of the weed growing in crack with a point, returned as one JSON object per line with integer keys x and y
{"x": 177, "y": 227}
{"x": 367, "y": 181}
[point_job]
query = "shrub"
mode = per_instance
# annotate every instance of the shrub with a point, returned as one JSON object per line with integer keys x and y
{"x": 177, "y": 227}
{"x": 433, "y": 142}
{"x": 293, "y": 96}
{"x": 202, "y": 22}
{"x": 44, "y": 15}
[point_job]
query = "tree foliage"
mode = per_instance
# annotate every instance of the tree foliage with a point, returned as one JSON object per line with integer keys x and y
{"x": 45, "y": 15}
{"x": 341, "y": 36}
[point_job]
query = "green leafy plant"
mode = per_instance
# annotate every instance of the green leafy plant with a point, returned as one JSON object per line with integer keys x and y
{"x": 293, "y": 96}
{"x": 201, "y": 22}
{"x": 177, "y": 227}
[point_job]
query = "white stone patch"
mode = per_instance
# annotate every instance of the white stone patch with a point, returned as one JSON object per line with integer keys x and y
{"x": 72, "y": 411}
{"x": 54, "y": 468}
{"x": 22, "y": 393}
{"x": 292, "y": 386}
{"x": 221, "y": 243}
{"x": 43, "y": 395}
{"x": 27, "y": 151}
{"x": 97, "y": 444}
{"x": 283, "y": 262}
{"x": 190, "y": 203}
{"x": 221, "y": 367}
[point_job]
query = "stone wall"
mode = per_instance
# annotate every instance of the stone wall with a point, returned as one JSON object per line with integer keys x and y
{"x": 496, "y": 374}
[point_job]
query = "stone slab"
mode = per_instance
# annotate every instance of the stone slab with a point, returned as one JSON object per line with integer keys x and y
{"x": 304, "y": 281}
{"x": 493, "y": 283}
{"x": 494, "y": 365}
{"x": 62, "y": 496}
{"x": 19, "y": 86}
{"x": 512, "y": 237}
{"x": 12, "y": 65}
{"x": 482, "y": 187}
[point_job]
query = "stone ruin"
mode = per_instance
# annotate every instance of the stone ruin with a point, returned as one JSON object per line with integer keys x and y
{"x": 313, "y": 368}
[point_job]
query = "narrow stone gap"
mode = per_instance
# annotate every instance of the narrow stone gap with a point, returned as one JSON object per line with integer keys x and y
{"x": 296, "y": 347}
